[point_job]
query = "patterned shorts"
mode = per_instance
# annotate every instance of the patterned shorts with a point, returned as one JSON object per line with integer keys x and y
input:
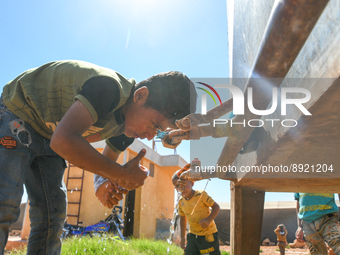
{"x": 325, "y": 229}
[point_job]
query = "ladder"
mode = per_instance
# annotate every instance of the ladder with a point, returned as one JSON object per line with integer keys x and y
{"x": 71, "y": 190}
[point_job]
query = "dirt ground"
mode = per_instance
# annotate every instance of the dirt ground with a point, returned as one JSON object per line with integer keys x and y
{"x": 269, "y": 250}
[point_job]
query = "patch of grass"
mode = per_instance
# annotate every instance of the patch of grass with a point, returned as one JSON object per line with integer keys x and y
{"x": 19, "y": 251}
{"x": 225, "y": 253}
{"x": 111, "y": 245}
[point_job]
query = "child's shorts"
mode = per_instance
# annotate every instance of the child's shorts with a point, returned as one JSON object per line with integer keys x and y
{"x": 199, "y": 245}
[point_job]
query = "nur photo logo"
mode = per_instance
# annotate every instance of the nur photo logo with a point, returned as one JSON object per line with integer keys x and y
{"x": 281, "y": 98}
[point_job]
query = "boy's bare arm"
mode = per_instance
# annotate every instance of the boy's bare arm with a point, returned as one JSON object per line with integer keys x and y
{"x": 214, "y": 211}
{"x": 108, "y": 193}
{"x": 68, "y": 142}
{"x": 277, "y": 230}
{"x": 183, "y": 226}
{"x": 299, "y": 231}
{"x": 215, "y": 208}
{"x": 297, "y": 213}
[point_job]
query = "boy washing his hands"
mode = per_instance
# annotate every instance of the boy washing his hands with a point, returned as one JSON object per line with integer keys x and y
{"x": 194, "y": 207}
{"x": 52, "y": 113}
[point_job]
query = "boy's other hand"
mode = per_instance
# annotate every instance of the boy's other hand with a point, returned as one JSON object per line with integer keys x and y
{"x": 183, "y": 244}
{"x": 109, "y": 194}
{"x": 299, "y": 233}
{"x": 204, "y": 223}
{"x": 134, "y": 174}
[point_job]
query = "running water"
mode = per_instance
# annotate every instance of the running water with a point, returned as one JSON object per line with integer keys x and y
{"x": 173, "y": 221}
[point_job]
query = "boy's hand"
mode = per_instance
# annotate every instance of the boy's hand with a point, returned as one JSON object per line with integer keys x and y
{"x": 133, "y": 173}
{"x": 204, "y": 223}
{"x": 109, "y": 194}
{"x": 183, "y": 244}
{"x": 299, "y": 233}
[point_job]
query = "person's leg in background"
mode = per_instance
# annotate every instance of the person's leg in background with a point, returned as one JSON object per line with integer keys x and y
{"x": 282, "y": 247}
{"x": 314, "y": 241}
{"x": 330, "y": 231}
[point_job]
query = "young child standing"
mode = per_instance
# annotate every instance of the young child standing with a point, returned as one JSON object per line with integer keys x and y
{"x": 194, "y": 208}
{"x": 281, "y": 233}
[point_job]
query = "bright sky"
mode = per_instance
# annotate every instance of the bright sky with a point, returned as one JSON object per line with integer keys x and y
{"x": 136, "y": 38}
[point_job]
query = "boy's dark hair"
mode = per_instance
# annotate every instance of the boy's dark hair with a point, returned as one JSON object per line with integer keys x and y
{"x": 171, "y": 93}
{"x": 281, "y": 227}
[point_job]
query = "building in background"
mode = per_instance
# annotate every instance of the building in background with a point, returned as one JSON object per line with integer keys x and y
{"x": 147, "y": 210}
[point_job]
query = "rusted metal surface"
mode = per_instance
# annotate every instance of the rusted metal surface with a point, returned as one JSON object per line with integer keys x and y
{"x": 190, "y": 127}
{"x": 288, "y": 28}
{"x": 196, "y": 119}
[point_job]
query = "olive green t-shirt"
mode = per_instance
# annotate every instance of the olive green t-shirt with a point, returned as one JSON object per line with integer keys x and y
{"x": 41, "y": 96}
